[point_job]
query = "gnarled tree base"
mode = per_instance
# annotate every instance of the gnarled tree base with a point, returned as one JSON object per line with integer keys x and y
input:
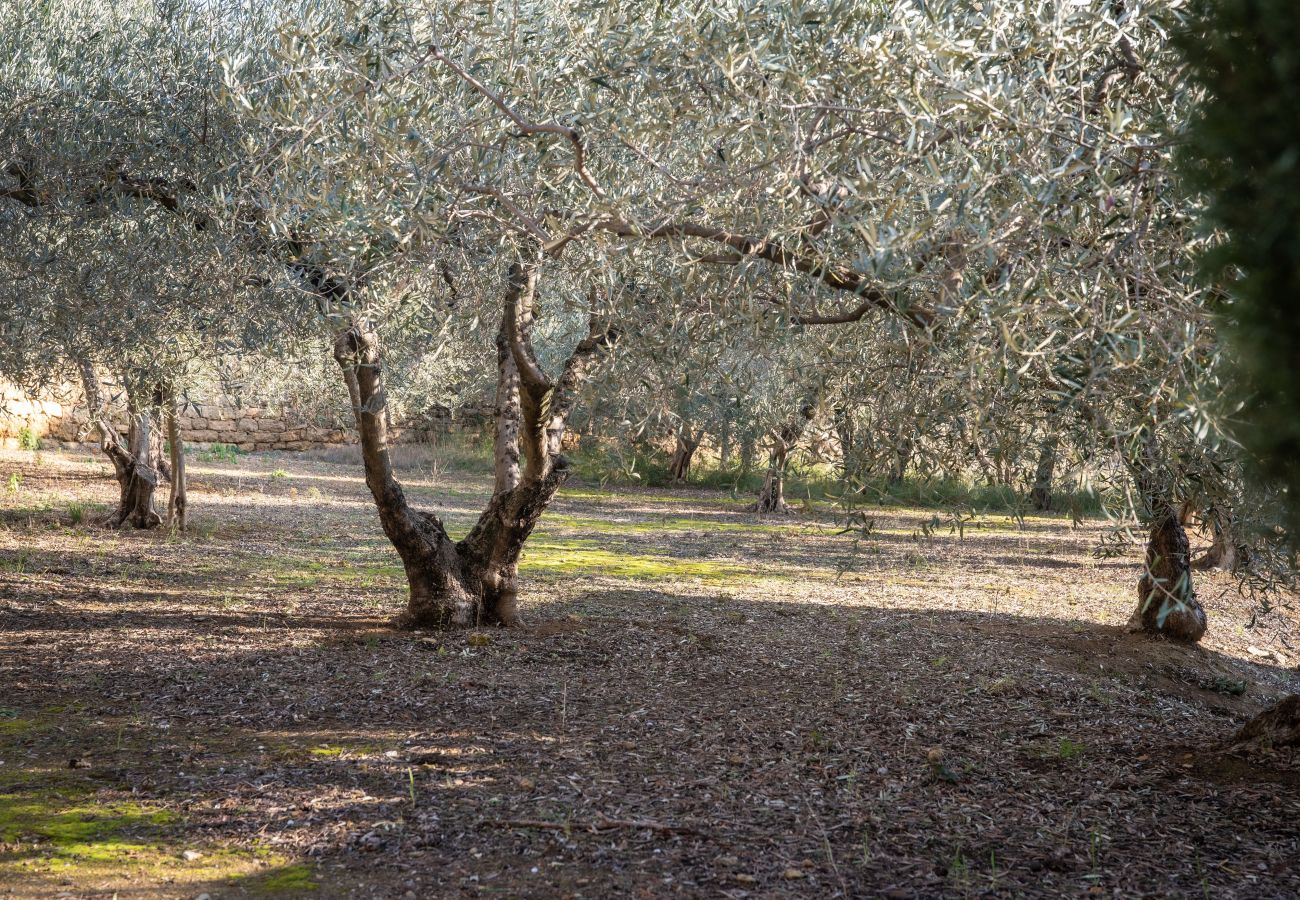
{"x": 138, "y": 483}
{"x": 1167, "y": 604}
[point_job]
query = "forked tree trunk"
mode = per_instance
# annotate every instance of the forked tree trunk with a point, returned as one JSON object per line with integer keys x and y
{"x": 1167, "y": 603}
{"x": 133, "y": 459}
{"x": 177, "y": 501}
{"x": 1041, "y": 493}
{"x": 771, "y": 496}
{"x": 679, "y": 466}
{"x": 475, "y": 580}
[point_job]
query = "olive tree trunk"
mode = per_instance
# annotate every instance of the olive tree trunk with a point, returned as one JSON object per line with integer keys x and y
{"x": 679, "y": 466}
{"x": 724, "y": 441}
{"x": 133, "y": 458}
{"x": 1041, "y": 493}
{"x": 177, "y": 500}
{"x": 853, "y": 471}
{"x": 474, "y": 580}
{"x": 902, "y": 459}
{"x": 771, "y": 496}
{"x": 1167, "y": 604}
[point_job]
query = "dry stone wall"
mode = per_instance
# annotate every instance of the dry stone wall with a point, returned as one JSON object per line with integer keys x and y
{"x": 62, "y": 418}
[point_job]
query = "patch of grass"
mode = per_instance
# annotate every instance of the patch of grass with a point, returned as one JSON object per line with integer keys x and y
{"x": 327, "y": 752}
{"x": 58, "y": 833}
{"x": 10, "y": 724}
{"x": 652, "y": 526}
{"x": 279, "y": 475}
{"x": 78, "y": 512}
{"x": 15, "y": 482}
{"x": 219, "y": 453}
{"x": 1068, "y": 749}
{"x": 587, "y": 558}
{"x": 27, "y": 439}
{"x": 17, "y": 563}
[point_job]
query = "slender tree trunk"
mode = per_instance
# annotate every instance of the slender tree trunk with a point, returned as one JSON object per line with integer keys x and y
{"x": 902, "y": 459}
{"x": 771, "y": 497}
{"x": 475, "y": 580}
{"x": 1167, "y": 603}
{"x": 1041, "y": 493}
{"x": 133, "y": 458}
{"x": 724, "y": 441}
{"x": 748, "y": 448}
{"x": 177, "y": 501}
{"x": 850, "y": 461}
{"x": 679, "y": 467}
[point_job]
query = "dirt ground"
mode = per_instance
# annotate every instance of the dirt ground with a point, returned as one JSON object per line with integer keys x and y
{"x": 703, "y": 704}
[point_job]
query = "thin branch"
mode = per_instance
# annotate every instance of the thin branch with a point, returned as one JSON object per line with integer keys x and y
{"x": 527, "y": 127}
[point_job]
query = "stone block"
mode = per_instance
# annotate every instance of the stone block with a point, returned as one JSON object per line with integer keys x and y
{"x": 222, "y": 425}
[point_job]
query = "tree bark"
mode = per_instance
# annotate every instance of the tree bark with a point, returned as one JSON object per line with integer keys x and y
{"x": 771, "y": 497}
{"x": 850, "y": 463}
{"x": 724, "y": 442}
{"x": 902, "y": 460}
{"x": 748, "y": 447}
{"x": 177, "y": 501}
{"x": 679, "y": 467}
{"x": 133, "y": 458}
{"x": 1041, "y": 493}
{"x": 475, "y": 580}
{"x": 1167, "y": 604}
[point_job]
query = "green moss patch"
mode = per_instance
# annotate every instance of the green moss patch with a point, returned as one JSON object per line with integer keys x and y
{"x": 61, "y": 836}
{"x": 283, "y": 880}
{"x": 577, "y": 558}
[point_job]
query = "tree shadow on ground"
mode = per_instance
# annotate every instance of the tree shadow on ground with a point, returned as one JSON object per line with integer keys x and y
{"x": 632, "y": 742}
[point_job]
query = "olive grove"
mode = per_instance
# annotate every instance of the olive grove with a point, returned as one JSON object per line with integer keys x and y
{"x": 952, "y": 231}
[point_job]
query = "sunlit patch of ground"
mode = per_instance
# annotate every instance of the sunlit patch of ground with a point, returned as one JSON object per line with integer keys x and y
{"x": 704, "y": 703}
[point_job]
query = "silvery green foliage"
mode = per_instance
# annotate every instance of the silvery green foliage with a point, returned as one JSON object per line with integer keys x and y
{"x": 1000, "y": 172}
{"x": 112, "y": 146}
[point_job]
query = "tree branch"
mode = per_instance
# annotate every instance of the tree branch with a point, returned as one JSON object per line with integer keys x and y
{"x": 838, "y": 277}
{"x": 521, "y": 291}
{"x": 570, "y": 134}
